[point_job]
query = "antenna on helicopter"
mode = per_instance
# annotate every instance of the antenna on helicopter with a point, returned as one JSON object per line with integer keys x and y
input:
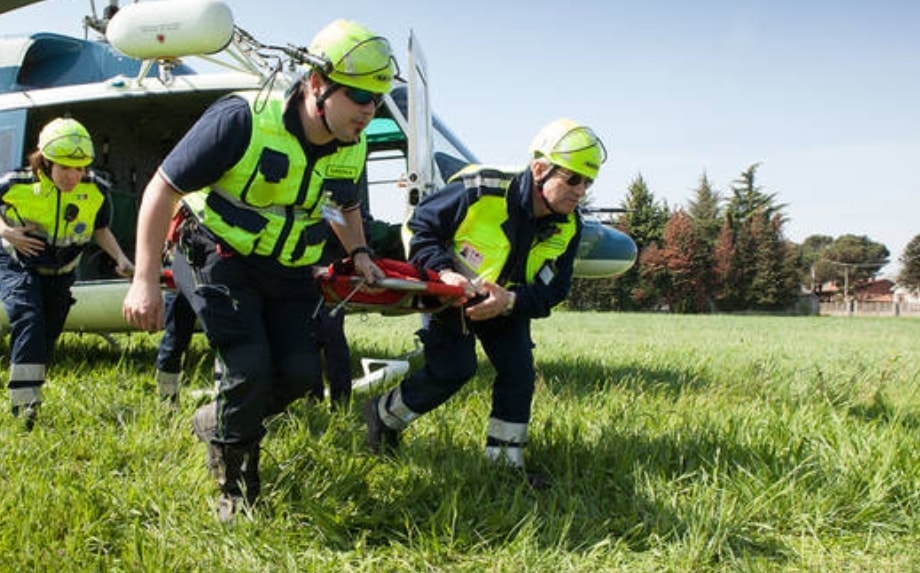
{"x": 607, "y": 210}
{"x": 604, "y": 214}
{"x": 99, "y": 24}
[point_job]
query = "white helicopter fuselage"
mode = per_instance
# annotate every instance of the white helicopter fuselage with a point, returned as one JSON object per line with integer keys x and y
{"x": 137, "y": 97}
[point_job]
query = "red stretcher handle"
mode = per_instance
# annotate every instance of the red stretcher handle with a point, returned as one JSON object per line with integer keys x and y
{"x": 433, "y": 288}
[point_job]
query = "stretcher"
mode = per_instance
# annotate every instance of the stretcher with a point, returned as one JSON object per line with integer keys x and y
{"x": 405, "y": 289}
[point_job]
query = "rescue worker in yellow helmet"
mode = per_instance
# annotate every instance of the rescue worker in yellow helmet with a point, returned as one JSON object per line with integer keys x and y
{"x": 49, "y": 213}
{"x": 269, "y": 170}
{"x": 510, "y": 240}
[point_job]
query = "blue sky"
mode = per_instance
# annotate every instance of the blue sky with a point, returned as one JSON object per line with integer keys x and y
{"x": 825, "y": 95}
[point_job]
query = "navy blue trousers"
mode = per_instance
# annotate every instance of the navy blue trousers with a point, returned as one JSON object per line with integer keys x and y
{"x": 261, "y": 325}
{"x": 336, "y": 355}
{"x": 37, "y": 307}
{"x": 178, "y": 328}
{"x": 450, "y": 361}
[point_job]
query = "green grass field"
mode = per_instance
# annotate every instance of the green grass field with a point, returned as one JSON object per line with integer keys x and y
{"x": 674, "y": 443}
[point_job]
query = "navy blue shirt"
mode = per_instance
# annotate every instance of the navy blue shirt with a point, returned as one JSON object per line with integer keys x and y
{"x": 221, "y": 136}
{"x": 439, "y": 215}
{"x": 212, "y": 146}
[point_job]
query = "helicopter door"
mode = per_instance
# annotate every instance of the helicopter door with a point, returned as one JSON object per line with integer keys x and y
{"x": 12, "y": 136}
{"x": 420, "y": 178}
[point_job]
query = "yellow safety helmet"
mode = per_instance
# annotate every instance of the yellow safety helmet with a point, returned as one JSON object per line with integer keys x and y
{"x": 570, "y": 145}
{"x": 65, "y": 141}
{"x": 354, "y": 56}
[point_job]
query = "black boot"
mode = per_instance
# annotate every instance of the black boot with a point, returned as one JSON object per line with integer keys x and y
{"x": 252, "y": 483}
{"x": 381, "y": 439}
{"x": 204, "y": 426}
{"x": 235, "y": 468}
{"x": 25, "y": 402}
{"x": 230, "y": 462}
{"x": 28, "y": 413}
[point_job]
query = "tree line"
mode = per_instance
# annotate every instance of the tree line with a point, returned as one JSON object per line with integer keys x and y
{"x": 729, "y": 254}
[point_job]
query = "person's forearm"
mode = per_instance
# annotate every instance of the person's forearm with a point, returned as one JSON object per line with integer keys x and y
{"x": 351, "y": 234}
{"x": 108, "y": 243}
{"x": 152, "y": 223}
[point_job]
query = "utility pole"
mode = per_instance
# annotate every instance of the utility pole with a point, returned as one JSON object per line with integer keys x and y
{"x": 846, "y": 290}
{"x": 846, "y": 279}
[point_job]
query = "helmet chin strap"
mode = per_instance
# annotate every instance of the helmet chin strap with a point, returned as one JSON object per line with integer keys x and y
{"x": 321, "y": 103}
{"x": 321, "y": 107}
{"x": 540, "y": 184}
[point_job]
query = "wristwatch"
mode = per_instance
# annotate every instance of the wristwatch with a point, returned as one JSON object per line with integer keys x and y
{"x": 362, "y": 249}
{"x": 512, "y": 298}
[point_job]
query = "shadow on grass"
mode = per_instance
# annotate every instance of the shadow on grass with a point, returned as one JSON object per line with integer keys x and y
{"x": 438, "y": 491}
{"x": 130, "y": 354}
{"x": 583, "y": 377}
{"x": 618, "y": 488}
{"x": 440, "y": 486}
{"x": 880, "y": 409}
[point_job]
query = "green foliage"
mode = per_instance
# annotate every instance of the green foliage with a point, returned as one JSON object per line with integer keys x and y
{"x": 754, "y": 268}
{"x": 857, "y": 259}
{"x": 737, "y": 258}
{"x": 742, "y": 262}
{"x": 814, "y": 268}
{"x": 644, "y": 221}
{"x": 775, "y": 283}
{"x": 910, "y": 265}
{"x": 748, "y": 198}
{"x": 706, "y": 212}
{"x": 674, "y": 443}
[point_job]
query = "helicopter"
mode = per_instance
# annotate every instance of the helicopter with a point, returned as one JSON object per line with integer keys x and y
{"x": 134, "y": 89}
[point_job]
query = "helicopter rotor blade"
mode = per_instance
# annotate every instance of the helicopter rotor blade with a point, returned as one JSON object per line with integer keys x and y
{"x": 11, "y": 5}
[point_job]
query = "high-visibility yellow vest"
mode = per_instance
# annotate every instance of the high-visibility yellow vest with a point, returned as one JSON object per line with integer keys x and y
{"x": 258, "y": 207}
{"x": 65, "y": 220}
{"x": 480, "y": 243}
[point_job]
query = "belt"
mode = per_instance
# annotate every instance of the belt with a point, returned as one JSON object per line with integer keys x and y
{"x": 46, "y": 272}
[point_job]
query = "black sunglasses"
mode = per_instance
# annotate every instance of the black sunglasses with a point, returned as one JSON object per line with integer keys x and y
{"x": 576, "y": 179}
{"x": 362, "y": 97}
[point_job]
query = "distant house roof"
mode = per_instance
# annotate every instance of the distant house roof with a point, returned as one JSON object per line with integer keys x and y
{"x": 881, "y": 287}
{"x": 880, "y": 290}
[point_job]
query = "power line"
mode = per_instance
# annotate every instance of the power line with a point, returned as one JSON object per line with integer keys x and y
{"x": 854, "y": 265}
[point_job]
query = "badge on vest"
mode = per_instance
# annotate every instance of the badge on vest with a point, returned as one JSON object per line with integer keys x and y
{"x": 470, "y": 256}
{"x": 341, "y": 172}
{"x": 332, "y": 213}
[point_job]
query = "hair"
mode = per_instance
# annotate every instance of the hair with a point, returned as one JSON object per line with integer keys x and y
{"x": 38, "y": 163}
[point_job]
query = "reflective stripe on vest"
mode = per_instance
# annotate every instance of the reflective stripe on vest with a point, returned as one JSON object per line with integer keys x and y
{"x": 64, "y": 220}
{"x": 257, "y": 206}
{"x": 481, "y": 244}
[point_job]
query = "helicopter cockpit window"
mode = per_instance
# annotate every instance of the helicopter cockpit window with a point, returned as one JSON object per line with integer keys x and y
{"x": 53, "y": 60}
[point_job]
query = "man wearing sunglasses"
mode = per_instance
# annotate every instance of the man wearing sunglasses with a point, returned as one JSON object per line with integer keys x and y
{"x": 270, "y": 168}
{"x": 510, "y": 240}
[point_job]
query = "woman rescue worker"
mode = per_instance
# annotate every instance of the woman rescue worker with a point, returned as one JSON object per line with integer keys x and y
{"x": 49, "y": 213}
